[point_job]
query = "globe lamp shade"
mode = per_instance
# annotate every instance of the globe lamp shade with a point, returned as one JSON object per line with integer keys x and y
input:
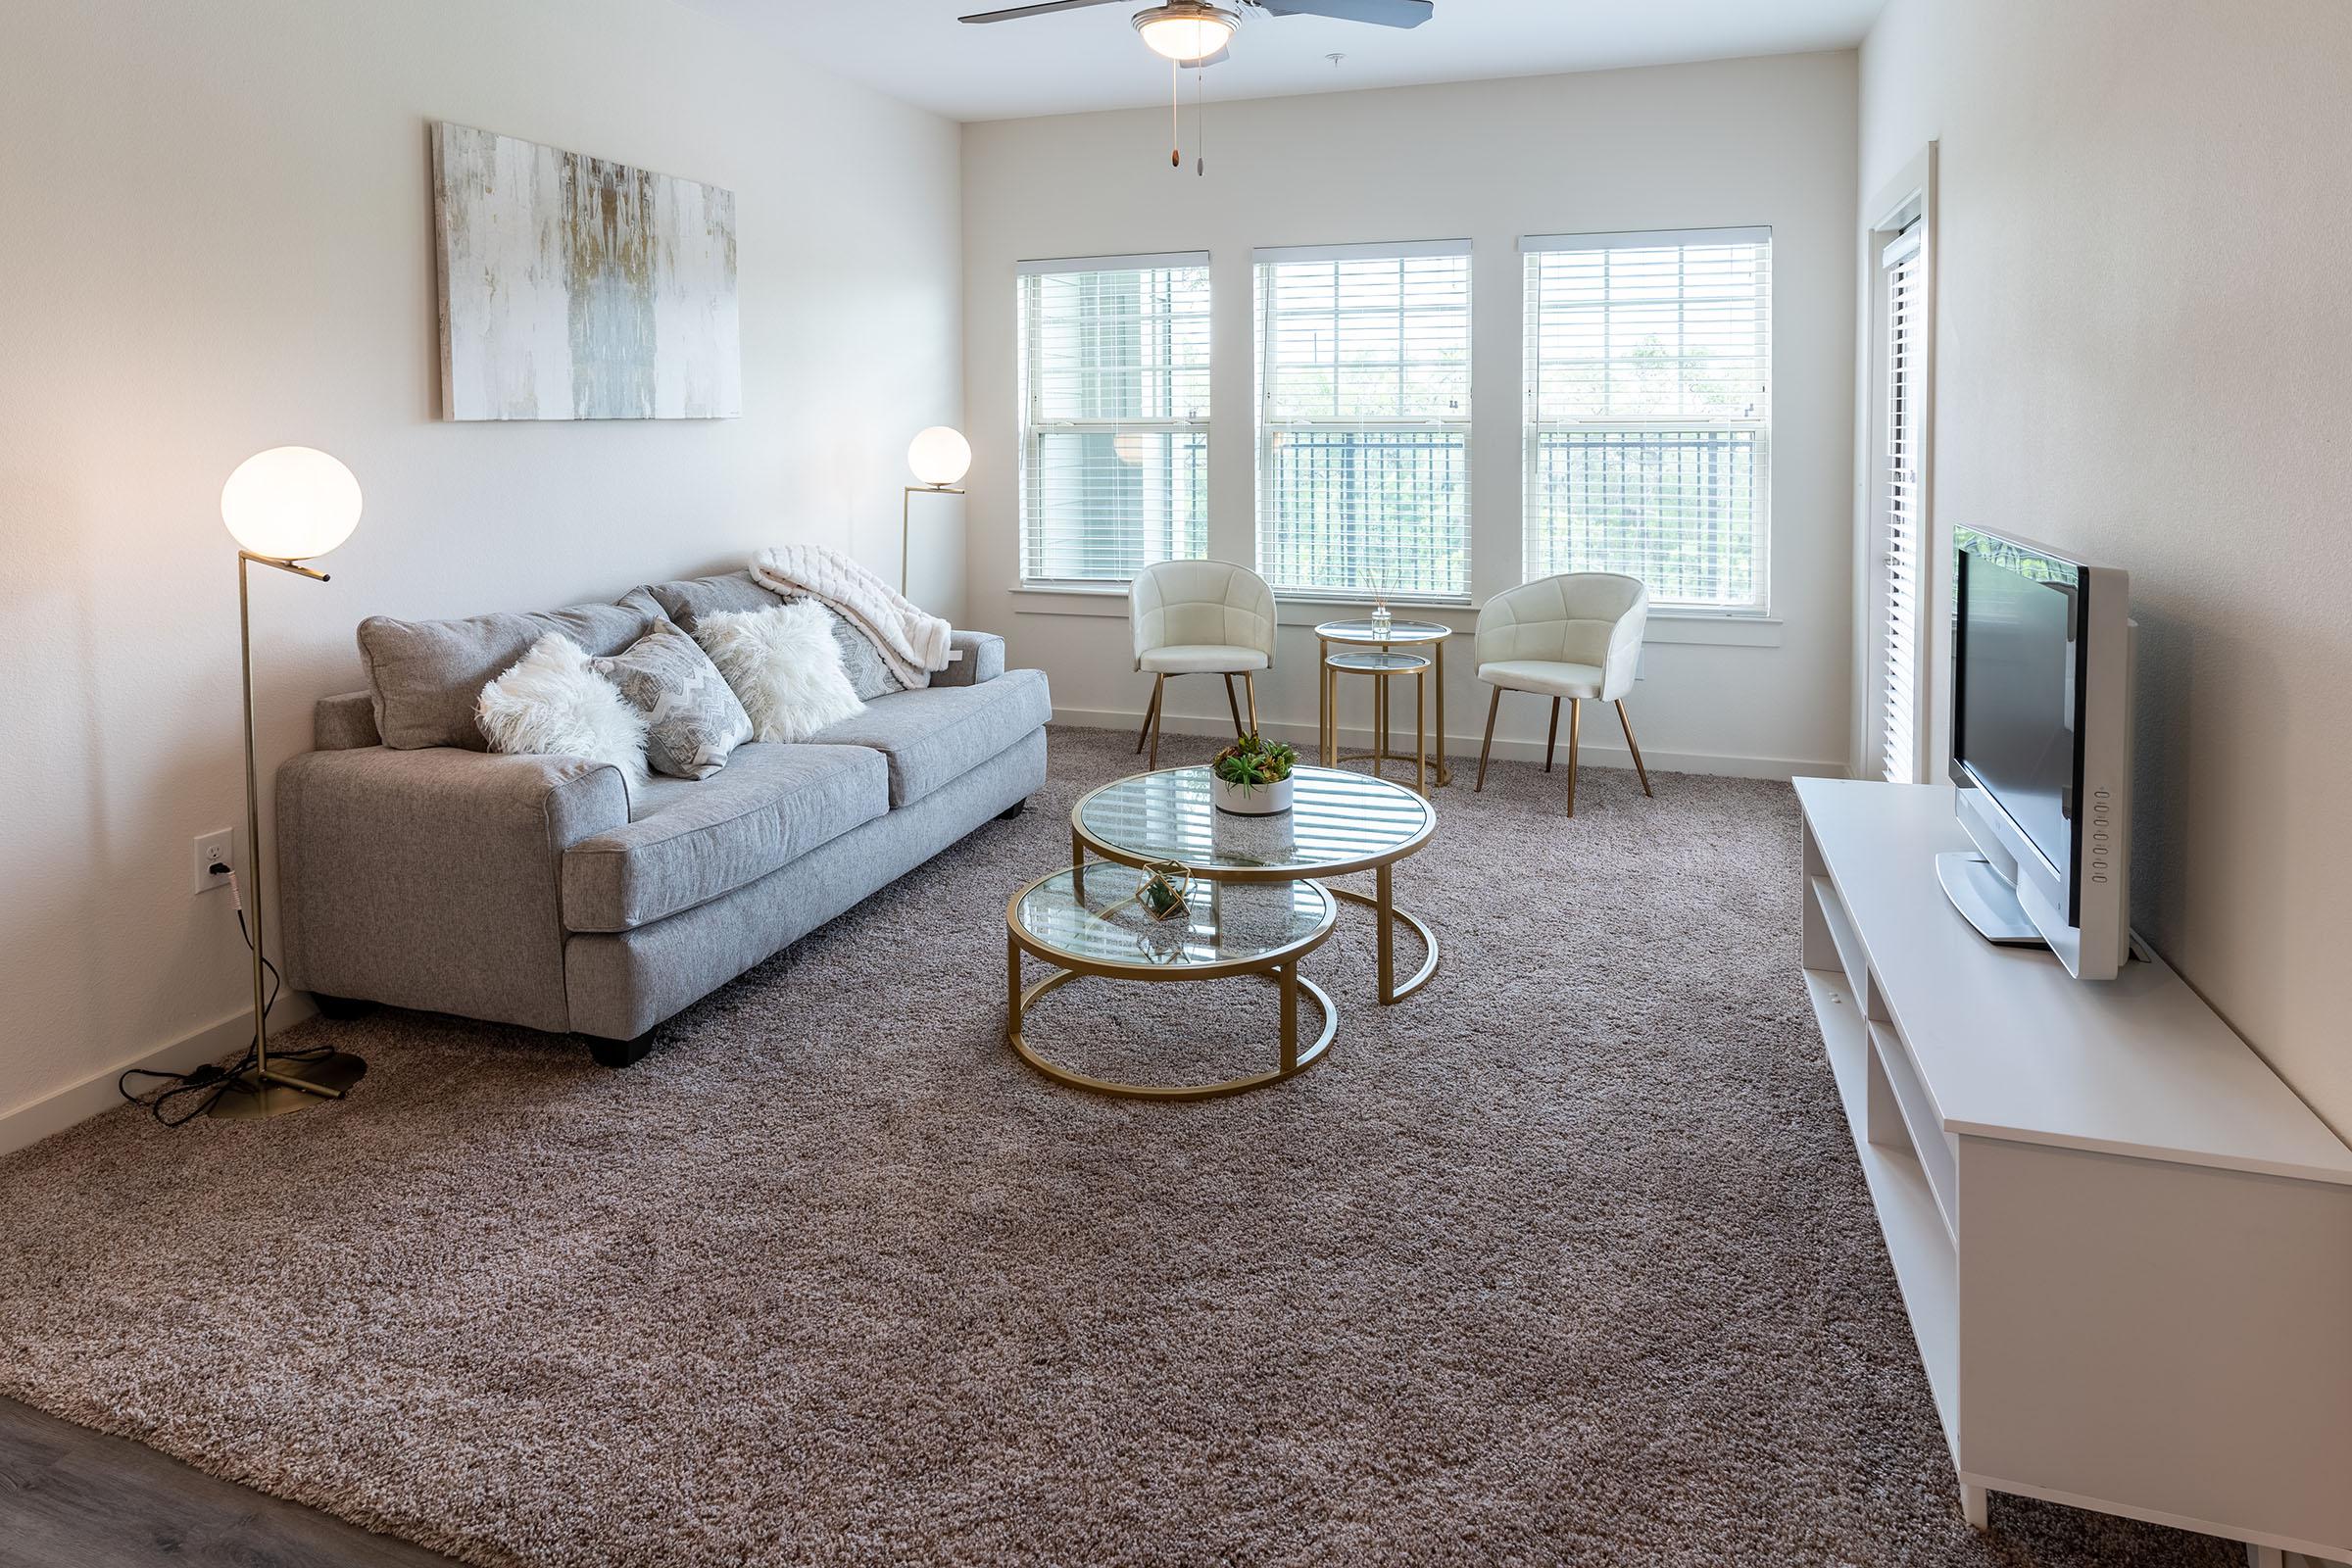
{"x": 1185, "y": 30}
{"x": 939, "y": 456}
{"x": 290, "y": 503}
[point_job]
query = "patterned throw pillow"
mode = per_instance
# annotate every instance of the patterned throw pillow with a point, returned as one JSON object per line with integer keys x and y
{"x": 692, "y": 719}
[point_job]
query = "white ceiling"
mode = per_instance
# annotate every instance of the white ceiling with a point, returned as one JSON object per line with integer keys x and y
{"x": 1081, "y": 60}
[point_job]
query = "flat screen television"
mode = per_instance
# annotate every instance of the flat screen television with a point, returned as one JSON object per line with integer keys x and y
{"x": 2042, "y": 749}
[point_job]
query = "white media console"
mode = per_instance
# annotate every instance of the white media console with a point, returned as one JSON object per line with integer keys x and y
{"x": 2125, "y": 1246}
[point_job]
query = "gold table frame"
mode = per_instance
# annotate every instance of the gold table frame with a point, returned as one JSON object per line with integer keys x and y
{"x": 1432, "y": 635}
{"x": 1279, "y": 965}
{"x": 1381, "y": 901}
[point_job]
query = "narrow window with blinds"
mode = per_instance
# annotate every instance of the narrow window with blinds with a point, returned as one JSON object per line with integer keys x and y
{"x": 1899, "y": 505}
{"x": 1363, "y": 462}
{"x": 1650, "y": 412}
{"x": 1114, "y": 415}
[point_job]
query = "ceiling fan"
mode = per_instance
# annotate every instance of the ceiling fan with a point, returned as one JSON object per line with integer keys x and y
{"x": 1196, "y": 32}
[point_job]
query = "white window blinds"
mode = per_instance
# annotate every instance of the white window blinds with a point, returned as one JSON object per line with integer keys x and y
{"x": 1114, "y": 415}
{"x": 1900, "y": 504}
{"x": 1650, "y": 412}
{"x": 1363, "y": 465}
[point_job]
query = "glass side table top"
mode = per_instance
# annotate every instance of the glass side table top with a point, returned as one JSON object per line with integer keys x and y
{"x": 1372, "y": 661}
{"x": 1359, "y": 629}
{"x": 1094, "y": 922}
{"x": 1338, "y": 822}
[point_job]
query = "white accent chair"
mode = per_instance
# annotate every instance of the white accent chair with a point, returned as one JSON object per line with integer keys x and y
{"x": 1574, "y": 636}
{"x": 1201, "y": 617}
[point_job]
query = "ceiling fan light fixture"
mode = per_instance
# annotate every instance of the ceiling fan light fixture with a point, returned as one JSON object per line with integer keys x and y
{"x": 1186, "y": 30}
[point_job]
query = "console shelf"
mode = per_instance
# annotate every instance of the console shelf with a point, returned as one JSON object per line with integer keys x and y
{"x": 2123, "y": 1243}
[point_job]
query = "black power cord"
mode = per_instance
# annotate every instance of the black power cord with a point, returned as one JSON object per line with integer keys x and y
{"x": 210, "y": 1076}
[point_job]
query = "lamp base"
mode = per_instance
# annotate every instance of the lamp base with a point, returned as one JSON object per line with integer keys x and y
{"x": 291, "y": 1084}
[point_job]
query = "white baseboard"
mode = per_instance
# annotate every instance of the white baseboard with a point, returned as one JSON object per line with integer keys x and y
{"x": 1594, "y": 753}
{"x": 31, "y": 1122}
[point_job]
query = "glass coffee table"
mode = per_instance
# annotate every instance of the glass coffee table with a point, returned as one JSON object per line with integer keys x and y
{"x": 1096, "y": 925}
{"x": 1338, "y": 822}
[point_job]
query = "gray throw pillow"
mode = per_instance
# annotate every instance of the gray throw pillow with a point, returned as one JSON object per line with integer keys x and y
{"x": 692, "y": 719}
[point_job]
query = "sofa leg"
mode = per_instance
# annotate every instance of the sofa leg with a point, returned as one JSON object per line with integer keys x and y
{"x": 342, "y": 1009}
{"x": 1013, "y": 810}
{"x": 619, "y": 1052}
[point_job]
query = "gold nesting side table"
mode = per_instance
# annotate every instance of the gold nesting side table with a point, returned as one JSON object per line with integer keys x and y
{"x": 1417, "y": 637}
{"x": 1382, "y": 666}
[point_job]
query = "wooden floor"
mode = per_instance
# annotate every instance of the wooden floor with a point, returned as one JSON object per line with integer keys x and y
{"x": 68, "y": 1496}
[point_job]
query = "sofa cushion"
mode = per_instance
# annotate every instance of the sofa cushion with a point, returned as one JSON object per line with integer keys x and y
{"x": 688, "y": 600}
{"x": 689, "y": 841}
{"x": 425, "y": 674}
{"x": 942, "y": 732}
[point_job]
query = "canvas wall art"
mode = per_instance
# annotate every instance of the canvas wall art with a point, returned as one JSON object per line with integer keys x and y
{"x": 578, "y": 289}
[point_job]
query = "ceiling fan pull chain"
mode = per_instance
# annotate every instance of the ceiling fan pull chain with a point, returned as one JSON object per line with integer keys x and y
{"x": 1175, "y": 116}
{"x": 1200, "y": 119}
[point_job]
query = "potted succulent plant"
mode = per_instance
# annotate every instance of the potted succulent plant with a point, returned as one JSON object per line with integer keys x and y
{"x": 1252, "y": 777}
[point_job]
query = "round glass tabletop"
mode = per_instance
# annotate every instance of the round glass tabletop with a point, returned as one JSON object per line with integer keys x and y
{"x": 1338, "y": 822}
{"x": 1359, "y": 629}
{"x": 1092, "y": 920}
{"x": 1375, "y": 663}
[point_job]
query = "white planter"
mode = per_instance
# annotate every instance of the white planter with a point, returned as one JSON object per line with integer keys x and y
{"x": 1265, "y": 800}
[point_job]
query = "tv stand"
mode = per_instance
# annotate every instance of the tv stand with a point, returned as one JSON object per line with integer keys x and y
{"x": 2123, "y": 1243}
{"x": 1989, "y": 903}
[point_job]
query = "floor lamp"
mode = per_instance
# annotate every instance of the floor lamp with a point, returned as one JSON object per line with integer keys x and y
{"x": 285, "y": 505}
{"x": 939, "y": 456}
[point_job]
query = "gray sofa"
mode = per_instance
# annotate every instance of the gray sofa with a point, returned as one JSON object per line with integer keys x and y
{"x": 420, "y": 869}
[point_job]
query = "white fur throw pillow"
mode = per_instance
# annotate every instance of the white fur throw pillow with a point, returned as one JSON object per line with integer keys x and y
{"x": 551, "y": 702}
{"x": 785, "y": 667}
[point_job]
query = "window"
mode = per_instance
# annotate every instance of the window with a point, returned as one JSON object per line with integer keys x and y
{"x": 1902, "y": 279}
{"x": 1650, "y": 412}
{"x": 1114, "y": 415}
{"x": 1363, "y": 462}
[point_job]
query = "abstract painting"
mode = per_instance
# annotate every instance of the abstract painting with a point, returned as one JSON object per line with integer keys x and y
{"x": 576, "y": 288}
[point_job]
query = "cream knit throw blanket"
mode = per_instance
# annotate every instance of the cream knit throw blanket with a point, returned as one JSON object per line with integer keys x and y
{"x": 911, "y": 643}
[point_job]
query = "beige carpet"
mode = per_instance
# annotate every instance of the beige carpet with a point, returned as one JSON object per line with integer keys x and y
{"x": 1567, "y": 1260}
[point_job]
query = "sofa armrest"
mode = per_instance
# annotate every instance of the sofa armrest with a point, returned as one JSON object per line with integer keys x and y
{"x": 433, "y": 878}
{"x": 983, "y": 659}
{"x": 344, "y": 721}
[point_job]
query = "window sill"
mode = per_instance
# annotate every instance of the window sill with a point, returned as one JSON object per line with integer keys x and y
{"x": 1701, "y": 628}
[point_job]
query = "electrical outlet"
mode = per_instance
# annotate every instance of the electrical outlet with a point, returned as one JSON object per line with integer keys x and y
{"x": 216, "y": 848}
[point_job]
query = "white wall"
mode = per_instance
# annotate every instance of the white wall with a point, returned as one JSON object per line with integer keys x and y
{"x": 217, "y": 222}
{"x": 2142, "y": 336}
{"x": 1741, "y": 143}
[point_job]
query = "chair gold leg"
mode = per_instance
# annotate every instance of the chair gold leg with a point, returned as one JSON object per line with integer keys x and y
{"x": 1486, "y": 745}
{"x": 1234, "y": 706}
{"x": 1632, "y": 746}
{"x": 1151, "y": 710}
{"x": 1250, "y": 687}
{"x": 1551, "y": 736}
{"x": 1576, "y": 715}
{"x": 1158, "y": 693}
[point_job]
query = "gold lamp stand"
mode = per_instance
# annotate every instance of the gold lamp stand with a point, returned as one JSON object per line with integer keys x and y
{"x": 268, "y": 1088}
{"x": 906, "y": 510}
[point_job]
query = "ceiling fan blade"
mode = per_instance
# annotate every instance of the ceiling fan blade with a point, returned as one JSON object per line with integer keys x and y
{"x": 1043, "y": 7}
{"x": 1380, "y": 13}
